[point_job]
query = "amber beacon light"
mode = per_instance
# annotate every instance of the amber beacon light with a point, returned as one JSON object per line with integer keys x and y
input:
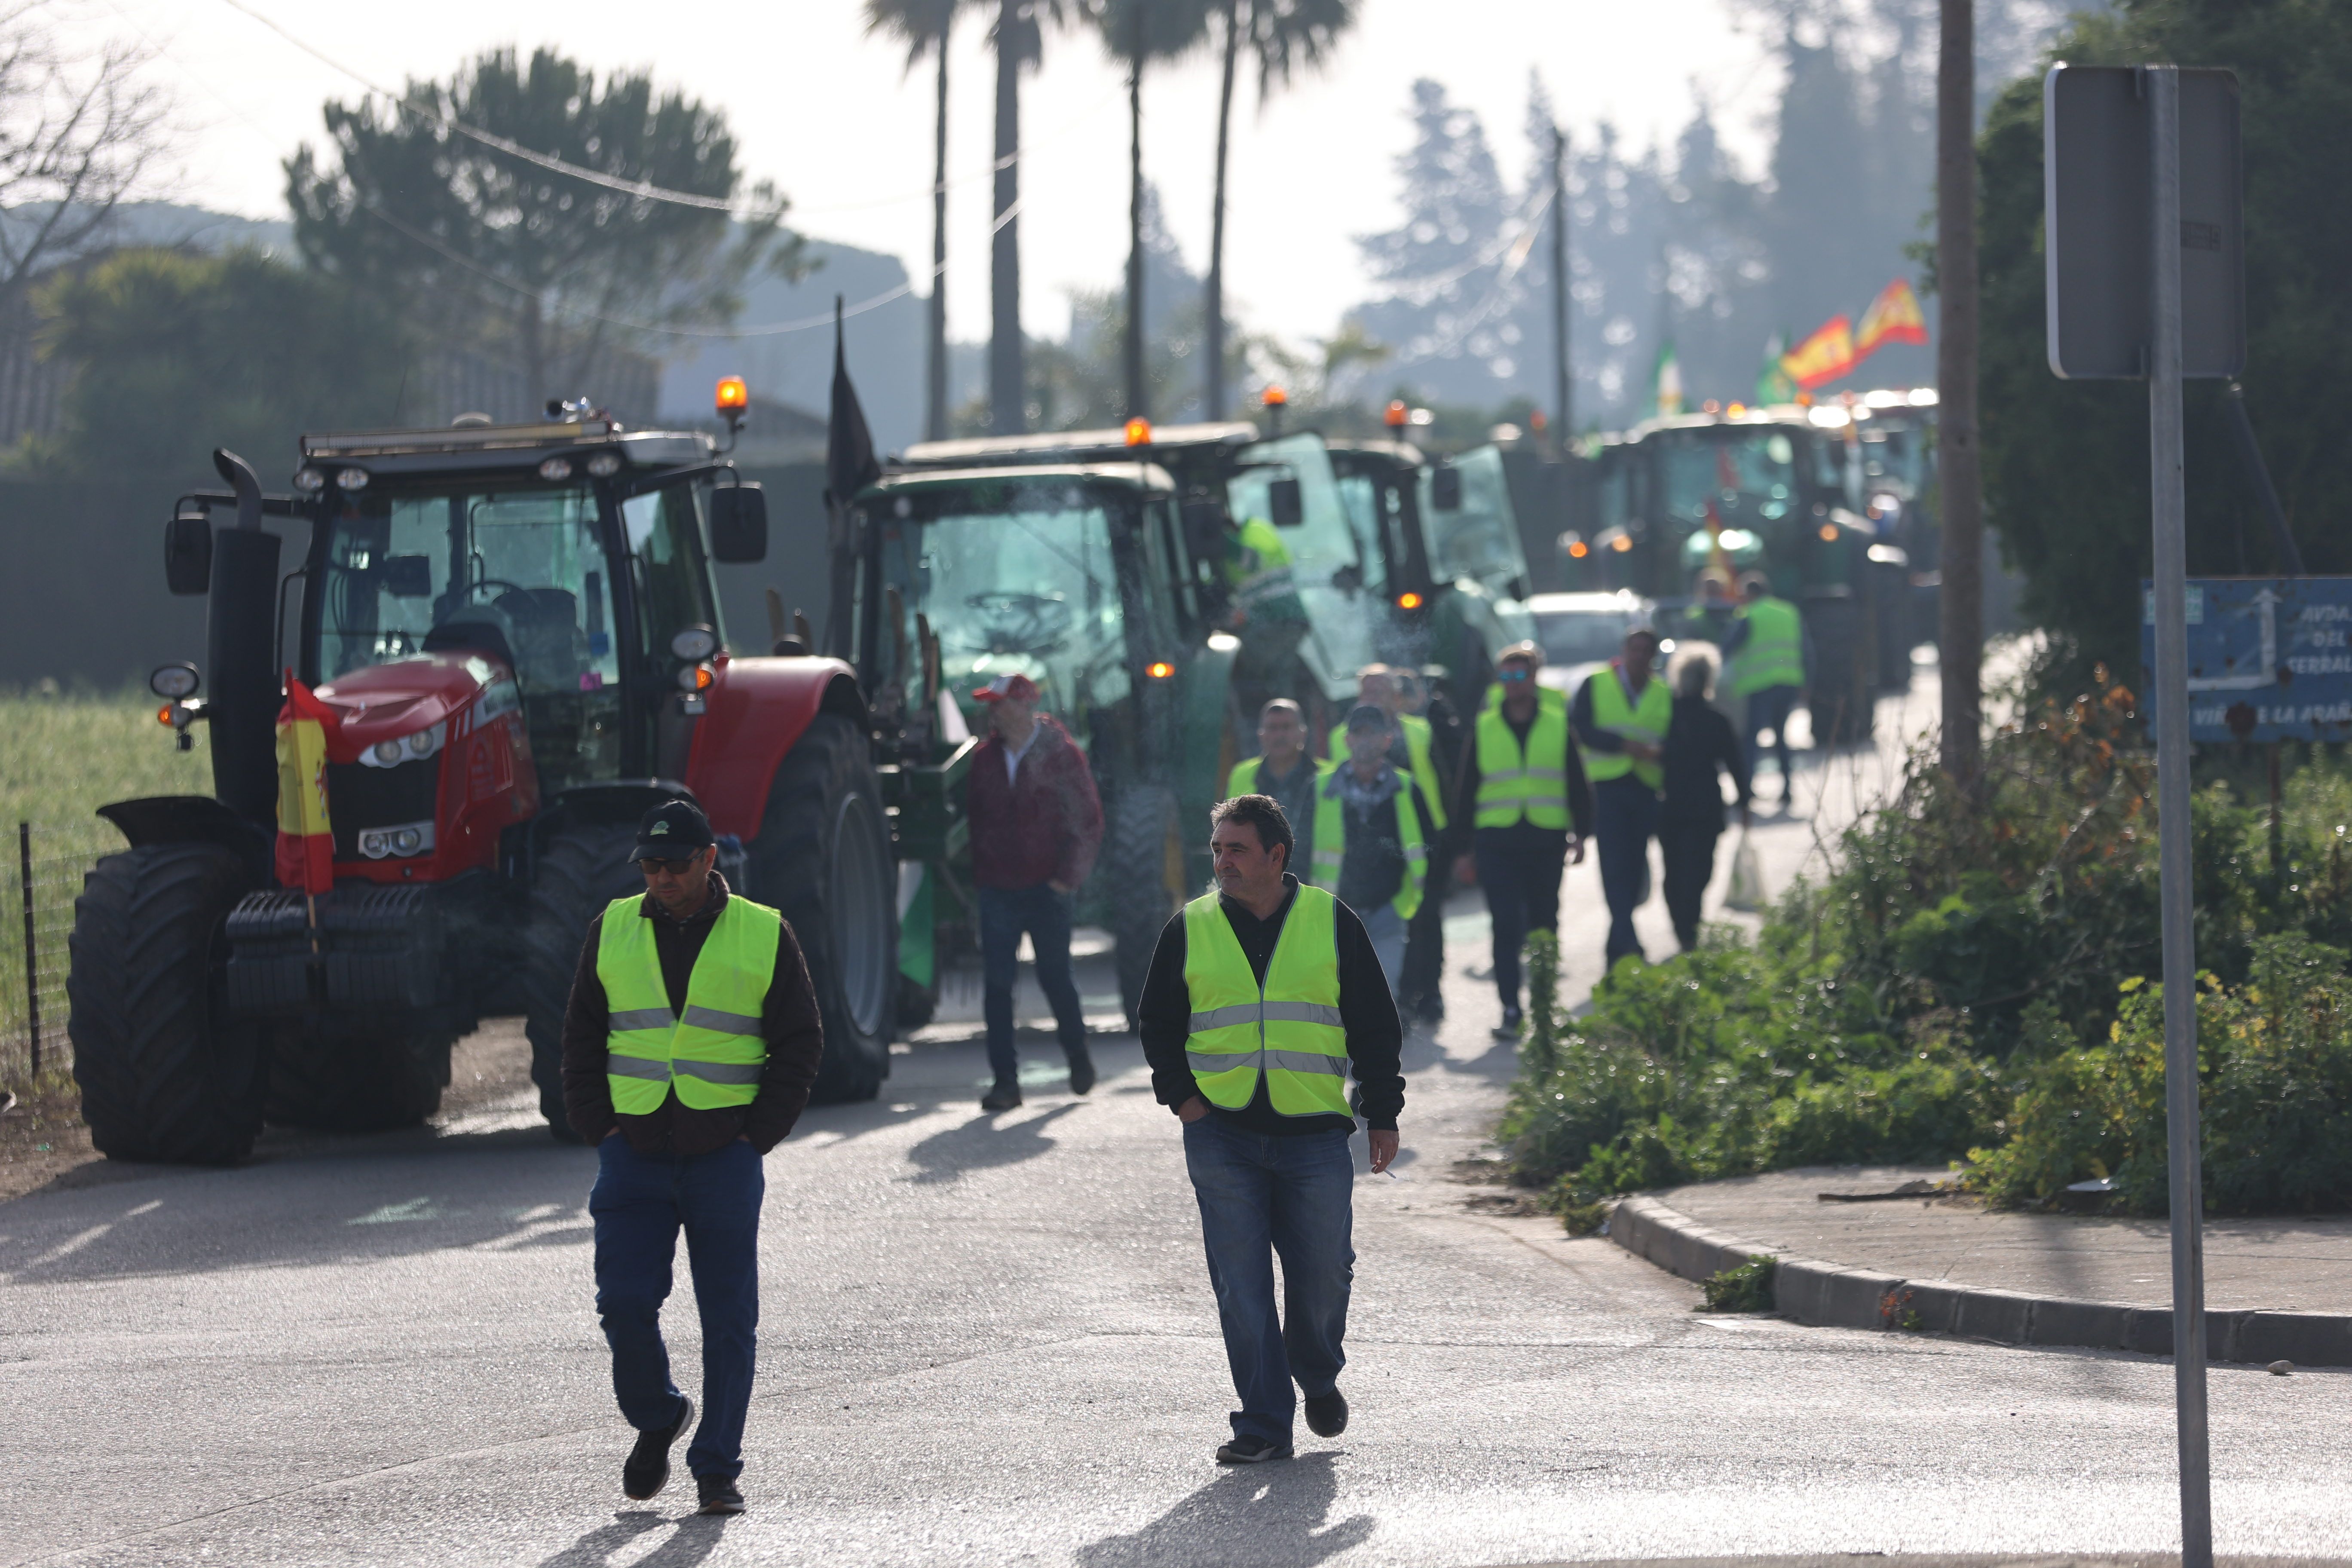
{"x": 1139, "y": 432}
{"x": 1407, "y": 600}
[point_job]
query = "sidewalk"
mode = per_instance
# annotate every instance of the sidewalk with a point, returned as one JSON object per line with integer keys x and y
{"x": 2274, "y": 1289}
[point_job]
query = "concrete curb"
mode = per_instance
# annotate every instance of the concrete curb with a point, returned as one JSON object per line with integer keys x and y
{"x": 1831, "y": 1295}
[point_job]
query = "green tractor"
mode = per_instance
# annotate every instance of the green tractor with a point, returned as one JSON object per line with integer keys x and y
{"x": 1770, "y": 487}
{"x": 1095, "y": 563}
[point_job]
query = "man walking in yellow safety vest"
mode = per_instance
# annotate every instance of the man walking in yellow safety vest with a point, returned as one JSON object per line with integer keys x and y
{"x": 1765, "y": 668}
{"x": 1283, "y": 769}
{"x": 1261, "y": 996}
{"x": 690, "y": 1045}
{"x": 1524, "y": 785}
{"x": 1372, "y": 838}
{"x": 1621, "y": 717}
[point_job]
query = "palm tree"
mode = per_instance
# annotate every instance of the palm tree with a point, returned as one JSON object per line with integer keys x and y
{"x": 1279, "y": 32}
{"x": 1018, "y": 39}
{"x": 924, "y": 24}
{"x": 1136, "y": 32}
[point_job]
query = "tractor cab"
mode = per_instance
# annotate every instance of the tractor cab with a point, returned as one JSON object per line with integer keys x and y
{"x": 434, "y": 730}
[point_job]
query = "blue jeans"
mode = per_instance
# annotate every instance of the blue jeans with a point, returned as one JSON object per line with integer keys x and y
{"x": 1625, "y": 817}
{"x": 1386, "y": 928}
{"x": 1769, "y": 709}
{"x": 1262, "y": 1195}
{"x": 1044, "y": 914}
{"x": 639, "y": 1203}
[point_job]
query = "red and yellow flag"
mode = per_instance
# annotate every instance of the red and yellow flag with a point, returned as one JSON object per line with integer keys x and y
{"x": 1893, "y": 317}
{"x": 1826, "y": 356}
{"x": 306, "y": 843}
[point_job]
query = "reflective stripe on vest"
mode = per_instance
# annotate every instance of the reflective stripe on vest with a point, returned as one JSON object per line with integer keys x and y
{"x": 1331, "y": 846}
{"x": 1645, "y": 721}
{"x": 1289, "y": 1029}
{"x": 1417, "y": 734}
{"x": 1509, "y": 786}
{"x": 1774, "y": 653}
{"x": 711, "y": 1053}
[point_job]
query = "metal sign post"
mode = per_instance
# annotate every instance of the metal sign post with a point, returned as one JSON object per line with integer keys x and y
{"x": 2146, "y": 256}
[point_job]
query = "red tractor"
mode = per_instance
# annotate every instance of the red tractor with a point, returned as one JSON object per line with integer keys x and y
{"x": 513, "y": 637}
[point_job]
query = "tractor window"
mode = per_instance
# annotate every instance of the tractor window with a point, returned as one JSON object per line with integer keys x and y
{"x": 1744, "y": 480}
{"x": 1030, "y": 589}
{"x": 1481, "y": 541}
{"x": 665, "y": 532}
{"x": 1333, "y": 566}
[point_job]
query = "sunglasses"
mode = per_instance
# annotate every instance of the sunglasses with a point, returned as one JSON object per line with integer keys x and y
{"x": 670, "y": 867}
{"x": 1514, "y": 675}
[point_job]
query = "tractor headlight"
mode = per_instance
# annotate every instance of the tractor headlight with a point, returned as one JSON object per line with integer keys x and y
{"x": 310, "y": 481}
{"x": 351, "y": 479}
{"x": 399, "y": 842}
{"x": 405, "y": 748}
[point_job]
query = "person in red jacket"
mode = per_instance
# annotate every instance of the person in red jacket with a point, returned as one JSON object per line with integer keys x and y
{"x": 1036, "y": 824}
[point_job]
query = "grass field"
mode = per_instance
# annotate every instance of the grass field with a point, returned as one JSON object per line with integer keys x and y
{"x": 64, "y": 755}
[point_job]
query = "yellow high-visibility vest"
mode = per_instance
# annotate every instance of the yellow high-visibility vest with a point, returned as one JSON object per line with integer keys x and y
{"x": 1243, "y": 779}
{"x": 1644, "y": 721}
{"x": 1417, "y": 734}
{"x": 1289, "y": 1029}
{"x": 1774, "y": 653}
{"x": 1512, "y": 784}
{"x": 1331, "y": 845}
{"x": 711, "y": 1054}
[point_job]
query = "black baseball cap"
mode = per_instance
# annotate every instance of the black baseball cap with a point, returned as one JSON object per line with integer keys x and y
{"x": 1365, "y": 716}
{"x": 672, "y": 831}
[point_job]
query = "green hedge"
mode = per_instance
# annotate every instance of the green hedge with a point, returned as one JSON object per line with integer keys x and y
{"x": 1970, "y": 981}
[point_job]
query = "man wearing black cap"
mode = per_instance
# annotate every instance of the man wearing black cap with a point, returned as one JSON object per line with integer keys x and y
{"x": 688, "y": 1048}
{"x": 1373, "y": 830}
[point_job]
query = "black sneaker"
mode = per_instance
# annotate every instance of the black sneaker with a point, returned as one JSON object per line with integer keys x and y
{"x": 719, "y": 1495}
{"x": 1082, "y": 1072}
{"x": 1005, "y": 1095}
{"x": 1251, "y": 1450}
{"x": 1508, "y": 1030}
{"x": 646, "y": 1470}
{"x": 1327, "y": 1413}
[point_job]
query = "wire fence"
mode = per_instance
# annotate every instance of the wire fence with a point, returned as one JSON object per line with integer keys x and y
{"x": 45, "y": 869}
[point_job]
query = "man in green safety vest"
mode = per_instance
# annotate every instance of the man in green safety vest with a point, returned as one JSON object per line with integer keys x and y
{"x": 1621, "y": 716}
{"x": 690, "y": 1045}
{"x": 1264, "y": 610}
{"x": 1765, "y": 668}
{"x": 1262, "y": 997}
{"x": 1524, "y": 785}
{"x": 1409, "y": 734}
{"x": 1373, "y": 830}
{"x": 1283, "y": 769}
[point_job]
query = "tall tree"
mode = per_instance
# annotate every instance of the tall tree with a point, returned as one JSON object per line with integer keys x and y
{"x": 480, "y": 247}
{"x": 1961, "y": 640}
{"x": 924, "y": 26}
{"x": 1281, "y": 34}
{"x": 1137, "y": 32}
{"x": 1018, "y": 37}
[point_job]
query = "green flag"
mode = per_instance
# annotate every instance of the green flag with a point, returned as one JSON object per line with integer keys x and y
{"x": 1666, "y": 381}
{"x": 1773, "y": 383}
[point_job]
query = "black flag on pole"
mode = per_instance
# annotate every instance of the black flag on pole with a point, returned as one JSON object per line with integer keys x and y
{"x": 849, "y": 467}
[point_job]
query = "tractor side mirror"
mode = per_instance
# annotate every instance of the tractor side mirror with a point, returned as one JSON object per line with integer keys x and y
{"x": 1287, "y": 502}
{"x": 739, "y": 524}
{"x": 408, "y": 576}
{"x": 1445, "y": 488}
{"x": 188, "y": 553}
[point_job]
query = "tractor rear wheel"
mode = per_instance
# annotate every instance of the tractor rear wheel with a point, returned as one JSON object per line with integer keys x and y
{"x": 347, "y": 1078}
{"x": 165, "y": 1073}
{"x": 823, "y": 857}
{"x": 581, "y": 869}
{"x": 1142, "y": 818}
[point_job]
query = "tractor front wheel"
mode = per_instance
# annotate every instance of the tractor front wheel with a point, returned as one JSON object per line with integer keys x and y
{"x": 823, "y": 857}
{"x": 1136, "y": 864}
{"x": 165, "y": 1074}
{"x": 343, "y": 1076}
{"x": 581, "y": 870}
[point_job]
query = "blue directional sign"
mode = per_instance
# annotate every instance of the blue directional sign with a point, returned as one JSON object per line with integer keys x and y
{"x": 2270, "y": 658}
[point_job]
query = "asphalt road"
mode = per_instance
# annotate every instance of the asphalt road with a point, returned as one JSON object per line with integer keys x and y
{"x": 989, "y": 1340}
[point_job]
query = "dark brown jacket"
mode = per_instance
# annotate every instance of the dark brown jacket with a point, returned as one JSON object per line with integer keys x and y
{"x": 789, "y": 1022}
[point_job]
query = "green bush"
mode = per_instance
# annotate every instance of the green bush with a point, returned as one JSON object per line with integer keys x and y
{"x": 1971, "y": 980}
{"x": 1745, "y": 1287}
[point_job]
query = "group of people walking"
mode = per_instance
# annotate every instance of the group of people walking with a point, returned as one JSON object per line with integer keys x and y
{"x": 693, "y": 1035}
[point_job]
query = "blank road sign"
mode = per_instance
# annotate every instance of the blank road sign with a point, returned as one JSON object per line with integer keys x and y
{"x": 2095, "y": 208}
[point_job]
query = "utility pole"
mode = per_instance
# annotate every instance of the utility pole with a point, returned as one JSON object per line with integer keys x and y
{"x": 1138, "y": 397}
{"x": 1960, "y": 635}
{"x": 935, "y": 398}
{"x": 1563, "y": 379}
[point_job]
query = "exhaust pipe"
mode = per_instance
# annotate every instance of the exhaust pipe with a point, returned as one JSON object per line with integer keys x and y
{"x": 240, "y": 648}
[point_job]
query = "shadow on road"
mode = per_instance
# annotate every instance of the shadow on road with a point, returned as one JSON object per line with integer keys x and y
{"x": 1254, "y": 1513}
{"x": 692, "y": 1540}
{"x": 982, "y": 1142}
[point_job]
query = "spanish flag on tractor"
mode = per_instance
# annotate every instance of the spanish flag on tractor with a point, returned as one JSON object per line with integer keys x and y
{"x": 1826, "y": 356}
{"x": 1893, "y": 317}
{"x": 306, "y": 843}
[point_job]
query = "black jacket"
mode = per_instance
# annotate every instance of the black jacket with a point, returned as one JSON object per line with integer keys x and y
{"x": 1375, "y": 1038}
{"x": 789, "y": 1022}
{"x": 1699, "y": 742}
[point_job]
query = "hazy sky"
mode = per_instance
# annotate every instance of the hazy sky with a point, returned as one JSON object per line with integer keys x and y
{"x": 834, "y": 119}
